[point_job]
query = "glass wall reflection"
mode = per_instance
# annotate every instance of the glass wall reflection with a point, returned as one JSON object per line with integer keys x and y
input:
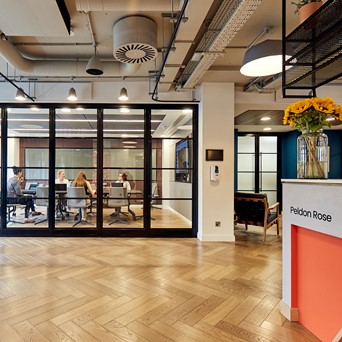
{"x": 27, "y": 166}
{"x": 171, "y": 188}
{"x": 123, "y": 168}
{"x": 76, "y": 168}
{"x": 99, "y": 169}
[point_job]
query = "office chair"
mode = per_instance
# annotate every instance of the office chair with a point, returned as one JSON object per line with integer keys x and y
{"x": 42, "y": 200}
{"x": 77, "y": 198}
{"x": 117, "y": 198}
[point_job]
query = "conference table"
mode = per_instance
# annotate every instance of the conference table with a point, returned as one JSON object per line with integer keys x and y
{"x": 61, "y": 195}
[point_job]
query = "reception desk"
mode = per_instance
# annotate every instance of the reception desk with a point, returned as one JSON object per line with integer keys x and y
{"x": 312, "y": 255}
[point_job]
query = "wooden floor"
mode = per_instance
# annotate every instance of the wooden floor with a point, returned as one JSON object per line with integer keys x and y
{"x": 133, "y": 289}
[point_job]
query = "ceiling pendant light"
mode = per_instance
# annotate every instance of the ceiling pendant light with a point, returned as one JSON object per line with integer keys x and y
{"x": 94, "y": 66}
{"x": 264, "y": 59}
{"x": 123, "y": 94}
{"x": 72, "y": 94}
{"x": 20, "y": 96}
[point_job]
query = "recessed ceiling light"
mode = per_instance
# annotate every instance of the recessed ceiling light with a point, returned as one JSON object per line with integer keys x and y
{"x": 124, "y": 110}
{"x": 265, "y": 118}
{"x": 185, "y": 128}
{"x": 129, "y": 142}
{"x": 267, "y": 129}
{"x": 129, "y": 146}
{"x": 80, "y": 108}
{"x": 66, "y": 110}
{"x": 30, "y": 126}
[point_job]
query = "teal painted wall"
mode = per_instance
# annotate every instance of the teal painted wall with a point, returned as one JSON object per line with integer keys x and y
{"x": 289, "y": 154}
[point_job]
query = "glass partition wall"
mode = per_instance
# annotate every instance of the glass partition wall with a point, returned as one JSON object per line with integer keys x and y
{"x": 103, "y": 171}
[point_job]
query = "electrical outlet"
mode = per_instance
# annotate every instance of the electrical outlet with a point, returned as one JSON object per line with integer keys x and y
{"x": 217, "y": 223}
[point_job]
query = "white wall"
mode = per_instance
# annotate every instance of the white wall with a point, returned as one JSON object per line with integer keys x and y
{"x": 13, "y": 155}
{"x": 216, "y": 131}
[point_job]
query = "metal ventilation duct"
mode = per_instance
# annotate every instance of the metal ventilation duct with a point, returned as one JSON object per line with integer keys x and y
{"x": 126, "y": 6}
{"x": 63, "y": 68}
{"x": 135, "y": 40}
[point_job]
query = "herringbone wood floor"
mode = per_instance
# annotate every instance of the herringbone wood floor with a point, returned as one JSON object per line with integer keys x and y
{"x": 81, "y": 289}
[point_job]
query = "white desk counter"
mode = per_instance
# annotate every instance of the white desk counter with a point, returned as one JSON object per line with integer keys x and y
{"x": 312, "y": 255}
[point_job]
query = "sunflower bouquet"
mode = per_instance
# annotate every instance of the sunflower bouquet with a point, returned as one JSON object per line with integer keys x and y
{"x": 312, "y": 114}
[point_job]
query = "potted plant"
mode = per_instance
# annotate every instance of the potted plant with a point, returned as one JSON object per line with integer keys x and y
{"x": 305, "y": 8}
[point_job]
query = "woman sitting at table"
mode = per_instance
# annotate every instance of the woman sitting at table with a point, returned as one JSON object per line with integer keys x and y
{"x": 81, "y": 181}
{"x": 62, "y": 197}
{"x": 15, "y": 195}
{"x": 61, "y": 178}
{"x": 123, "y": 179}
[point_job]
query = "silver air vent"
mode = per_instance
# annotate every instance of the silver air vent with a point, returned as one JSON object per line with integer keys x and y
{"x": 135, "y": 40}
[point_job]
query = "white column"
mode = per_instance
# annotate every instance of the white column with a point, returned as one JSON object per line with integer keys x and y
{"x": 216, "y": 131}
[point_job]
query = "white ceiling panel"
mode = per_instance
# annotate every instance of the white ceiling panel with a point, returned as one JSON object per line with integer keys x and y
{"x": 31, "y": 18}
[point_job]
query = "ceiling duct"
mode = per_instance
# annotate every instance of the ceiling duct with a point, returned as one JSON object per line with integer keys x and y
{"x": 135, "y": 39}
{"x": 126, "y": 6}
{"x": 64, "y": 68}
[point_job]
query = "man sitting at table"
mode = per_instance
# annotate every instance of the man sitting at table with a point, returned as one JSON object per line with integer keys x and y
{"x": 15, "y": 195}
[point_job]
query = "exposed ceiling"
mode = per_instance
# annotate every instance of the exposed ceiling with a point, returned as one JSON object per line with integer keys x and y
{"x": 43, "y": 42}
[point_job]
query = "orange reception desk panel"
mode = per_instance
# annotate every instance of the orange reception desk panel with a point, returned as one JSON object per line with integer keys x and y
{"x": 312, "y": 255}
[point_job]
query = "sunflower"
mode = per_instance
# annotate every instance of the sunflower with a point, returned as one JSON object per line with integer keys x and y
{"x": 312, "y": 114}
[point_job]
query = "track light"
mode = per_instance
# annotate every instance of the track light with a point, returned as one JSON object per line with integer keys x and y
{"x": 264, "y": 59}
{"x": 94, "y": 66}
{"x": 20, "y": 95}
{"x": 72, "y": 95}
{"x": 123, "y": 94}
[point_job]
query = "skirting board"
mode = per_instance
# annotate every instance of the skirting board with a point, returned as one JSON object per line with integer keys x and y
{"x": 216, "y": 238}
{"x": 290, "y": 313}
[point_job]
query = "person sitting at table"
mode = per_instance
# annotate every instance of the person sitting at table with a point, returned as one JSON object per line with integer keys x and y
{"x": 123, "y": 179}
{"x": 61, "y": 178}
{"x": 62, "y": 197}
{"x": 15, "y": 195}
{"x": 81, "y": 181}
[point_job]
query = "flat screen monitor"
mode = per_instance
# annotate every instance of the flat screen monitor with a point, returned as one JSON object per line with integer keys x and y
{"x": 117, "y": 185}
{"x": 60, "y": 187}
{"x": 183, "y": 154}
{"x": 33, "y": 186}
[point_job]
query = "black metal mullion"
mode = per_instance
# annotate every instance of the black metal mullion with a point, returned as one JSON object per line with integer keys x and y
{"x": 147, "y": 168}
{"x": 4, "y": 147}
{"x": 257, "y": 163}
{"x": 99, "y": 190}
{"x": 195, "y": 171}
{"x": 52, "y": 167}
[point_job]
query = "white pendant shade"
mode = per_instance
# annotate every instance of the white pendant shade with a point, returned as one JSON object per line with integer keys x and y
{"x": 72, "y": 95}
{"x": 123, "y": 94}
{"x": 263, "y": 59}
{"x": 20, "y": 96}
{"x": 94, "y": 66}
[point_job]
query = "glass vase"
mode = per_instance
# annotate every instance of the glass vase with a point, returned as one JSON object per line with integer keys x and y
{"x": 312, "y": 155}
